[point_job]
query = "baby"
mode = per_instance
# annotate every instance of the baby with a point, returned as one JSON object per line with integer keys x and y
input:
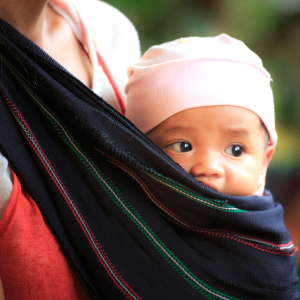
{"x": 208, "y": 104}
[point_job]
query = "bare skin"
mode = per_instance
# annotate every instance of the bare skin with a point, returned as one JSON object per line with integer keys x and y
{"x": 224, "y": 147}
{"x": 51, "y": 32}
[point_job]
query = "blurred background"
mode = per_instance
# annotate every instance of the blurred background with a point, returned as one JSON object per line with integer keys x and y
{"x": 271, "y": 28}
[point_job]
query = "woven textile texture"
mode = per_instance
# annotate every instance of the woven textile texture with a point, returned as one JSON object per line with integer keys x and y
{"x": 133, "y": 224}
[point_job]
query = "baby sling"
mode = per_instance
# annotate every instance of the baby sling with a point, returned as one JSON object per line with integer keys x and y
{"x": 133, "y": 224}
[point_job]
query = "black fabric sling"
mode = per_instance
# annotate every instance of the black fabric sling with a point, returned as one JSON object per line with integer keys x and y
{"x": 133, "y": 224}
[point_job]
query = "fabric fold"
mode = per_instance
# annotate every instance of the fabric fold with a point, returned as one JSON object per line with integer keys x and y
{"x": 132, "y": 222}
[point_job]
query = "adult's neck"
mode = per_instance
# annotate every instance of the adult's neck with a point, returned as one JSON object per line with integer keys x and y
{"x": 27, "y": 16}
{"x": 51, "y": 32}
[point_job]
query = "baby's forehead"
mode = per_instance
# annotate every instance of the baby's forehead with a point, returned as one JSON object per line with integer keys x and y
{"x": 228, "y": 120}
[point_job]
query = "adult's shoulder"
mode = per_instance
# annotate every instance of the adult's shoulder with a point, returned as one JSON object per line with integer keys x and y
{"x": 114, "y": 36}
{"x": 111, "y": 30}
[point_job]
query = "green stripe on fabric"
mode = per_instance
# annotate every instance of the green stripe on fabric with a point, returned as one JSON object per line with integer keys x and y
{"x": 216, "y": 204}
{"x": 116, "y": 196}
{"x": 298, "y": 273}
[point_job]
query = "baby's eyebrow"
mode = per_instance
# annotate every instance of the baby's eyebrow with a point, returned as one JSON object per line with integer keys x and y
{"x": 238, "y": 131}
{"x": 176, "y": 129}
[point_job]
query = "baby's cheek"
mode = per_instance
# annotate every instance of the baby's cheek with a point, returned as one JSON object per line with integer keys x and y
{"x": 242, "y": 181}
{"x": 178, "y": 158}
{"x": 170, "y": 153}
{"x": 186, "y": 163}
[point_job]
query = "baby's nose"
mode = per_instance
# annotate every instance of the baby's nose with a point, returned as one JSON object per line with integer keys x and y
{"x": 207, "y": 166}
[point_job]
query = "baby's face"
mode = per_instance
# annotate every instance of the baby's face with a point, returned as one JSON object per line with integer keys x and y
{"x": 222, "y": 146}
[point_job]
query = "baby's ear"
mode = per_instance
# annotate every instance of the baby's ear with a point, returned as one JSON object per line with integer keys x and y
{"x": 268, "y": 156}
{"x": 262, "y": 178}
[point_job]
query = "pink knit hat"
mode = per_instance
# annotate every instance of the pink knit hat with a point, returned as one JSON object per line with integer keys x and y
{"x": 195, "y": 72}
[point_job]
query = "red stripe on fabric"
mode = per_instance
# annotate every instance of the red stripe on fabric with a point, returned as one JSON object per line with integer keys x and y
{"x": 145, "y": 186}
{"x": 68, "y": 203}
{"x": 112, "y": 82}
{"x": 221, "y": 233}
{"x": 280, "y": 252}
{"x": 245, "y": 236}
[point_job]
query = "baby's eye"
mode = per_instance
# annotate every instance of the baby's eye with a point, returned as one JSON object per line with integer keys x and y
{"x": 181, "y": 147}
{"x": 234, "y": 150}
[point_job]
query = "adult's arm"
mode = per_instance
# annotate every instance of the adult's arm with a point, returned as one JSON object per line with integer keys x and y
{"x": 5, "y": 186}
